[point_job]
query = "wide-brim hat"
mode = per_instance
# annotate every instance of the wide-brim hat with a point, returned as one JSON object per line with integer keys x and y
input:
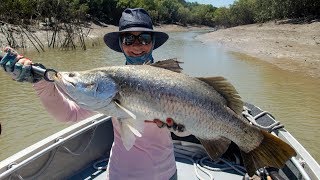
{"x": 134, "y": 20}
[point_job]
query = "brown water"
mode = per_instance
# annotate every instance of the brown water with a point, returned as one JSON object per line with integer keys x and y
{"x": 292, "y": 98}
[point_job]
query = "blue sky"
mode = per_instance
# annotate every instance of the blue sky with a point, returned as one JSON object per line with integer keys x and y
{"x": 216, "y": 3}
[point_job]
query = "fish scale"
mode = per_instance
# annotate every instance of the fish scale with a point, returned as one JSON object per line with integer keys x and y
{"x": 191, "y": 102}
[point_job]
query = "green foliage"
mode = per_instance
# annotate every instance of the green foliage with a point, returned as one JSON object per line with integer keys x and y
{"x": 13, "y": 11}
{"x": 62, "y": 10}
{"x": 222, "y": 17}
{"x": 184, "y": 15}
{"x": 203, "y": 14}
{"x": 278, "y": 9}
{"x": 242, "y": 12}
{"x": 104, "y": 10}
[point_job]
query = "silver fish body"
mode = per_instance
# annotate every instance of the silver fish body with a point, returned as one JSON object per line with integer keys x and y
{"x": 155, "y": 93}
{"x": 209, "y": 108}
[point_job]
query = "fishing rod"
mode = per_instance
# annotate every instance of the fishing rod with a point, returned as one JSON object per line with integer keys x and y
{"x": 39, "y": 69}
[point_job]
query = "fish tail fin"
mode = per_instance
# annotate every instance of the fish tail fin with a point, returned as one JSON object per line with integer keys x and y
{"x": 272, "y": 152}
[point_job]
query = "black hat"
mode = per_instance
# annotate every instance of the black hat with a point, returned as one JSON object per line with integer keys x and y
{"x": 134, "y": 20}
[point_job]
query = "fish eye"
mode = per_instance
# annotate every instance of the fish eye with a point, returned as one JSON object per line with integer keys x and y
{"x": 100, "y": 88}
{"x": 90, "y": 85}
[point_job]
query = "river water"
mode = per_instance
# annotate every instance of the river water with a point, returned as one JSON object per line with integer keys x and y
{"x": 293, "y": 98}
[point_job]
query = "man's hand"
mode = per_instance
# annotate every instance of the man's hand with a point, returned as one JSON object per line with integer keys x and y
{"x": 18, "y": 67}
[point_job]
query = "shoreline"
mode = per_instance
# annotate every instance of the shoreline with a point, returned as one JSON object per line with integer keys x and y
{"x": 291, "y": 47}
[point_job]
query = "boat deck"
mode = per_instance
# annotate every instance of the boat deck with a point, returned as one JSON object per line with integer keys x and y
{"x": 185, "y": 170}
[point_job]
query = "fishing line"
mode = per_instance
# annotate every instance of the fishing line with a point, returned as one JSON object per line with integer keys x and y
{"x": 197, "y": 155}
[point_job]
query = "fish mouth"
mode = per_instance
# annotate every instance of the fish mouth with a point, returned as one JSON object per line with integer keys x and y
{"x": 59, "y": 82}
{"x": 57, "y": 76}
{"x": 62, "y": 80}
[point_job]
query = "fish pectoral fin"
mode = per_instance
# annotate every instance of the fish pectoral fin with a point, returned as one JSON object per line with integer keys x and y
{"x": 127, "y": 135}
{"x": 170, "y": 64}
{"x": 134, "y": 131}
{"x": 272, "y": 152}
{"x": 215, "y": 147}
{"x": 136, "y": 126}
{"x": 227, "y": 90}
{"x": 125, "y": 110}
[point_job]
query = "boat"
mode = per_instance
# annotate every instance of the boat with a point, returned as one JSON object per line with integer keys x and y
{"x": 81, "y": 151}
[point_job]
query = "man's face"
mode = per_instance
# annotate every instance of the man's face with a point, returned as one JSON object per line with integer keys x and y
{"x": 137, "y": 45}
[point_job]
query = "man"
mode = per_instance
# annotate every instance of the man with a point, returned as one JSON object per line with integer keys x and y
{"x": 152, "y": 155}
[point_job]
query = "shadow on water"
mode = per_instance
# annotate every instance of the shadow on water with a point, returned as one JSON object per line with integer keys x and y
{"x": 292, "y": 98}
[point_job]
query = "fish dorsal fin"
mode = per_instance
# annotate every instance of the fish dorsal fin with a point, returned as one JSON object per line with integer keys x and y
{"x": 170, "y": 64}
{"x": 215, "y": 147}
{"x": 227, "y": 90}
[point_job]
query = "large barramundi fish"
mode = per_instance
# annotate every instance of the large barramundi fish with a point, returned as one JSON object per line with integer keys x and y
{"x": 208, "y": 107}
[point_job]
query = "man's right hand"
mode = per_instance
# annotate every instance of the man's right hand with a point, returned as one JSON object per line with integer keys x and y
{"x": 18, "y": 67}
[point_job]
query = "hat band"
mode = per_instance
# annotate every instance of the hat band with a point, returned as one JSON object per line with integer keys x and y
{"x": 136, "y": 26}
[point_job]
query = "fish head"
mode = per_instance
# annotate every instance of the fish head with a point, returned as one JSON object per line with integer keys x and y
{"x": 91, "y": 90}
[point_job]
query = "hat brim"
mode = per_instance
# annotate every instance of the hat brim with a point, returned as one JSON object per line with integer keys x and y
{"x": 112, "y": 39}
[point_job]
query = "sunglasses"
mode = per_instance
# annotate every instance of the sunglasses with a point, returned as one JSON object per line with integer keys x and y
{"x": 143, "y": 38}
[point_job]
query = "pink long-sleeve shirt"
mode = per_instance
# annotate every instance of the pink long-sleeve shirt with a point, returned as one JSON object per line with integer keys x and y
{"x": 150, "y": 158}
